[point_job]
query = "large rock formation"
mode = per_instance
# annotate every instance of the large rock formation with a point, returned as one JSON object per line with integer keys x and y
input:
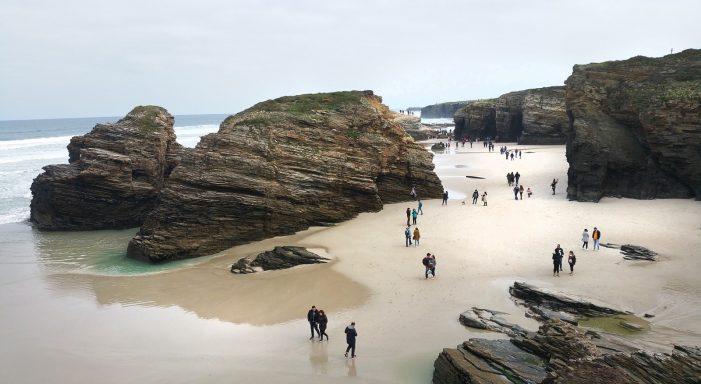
{"x": 114, "y": 175}
{"x": 282, "y": 166}
{"x": 442, "y": 110}
{"x": 532, "y": 116}
{"x": 635, "y": 128}
{"x": 412, "y": 125}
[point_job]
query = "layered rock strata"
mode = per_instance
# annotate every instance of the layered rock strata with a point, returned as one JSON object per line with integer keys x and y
{"x": 442, "y": 110}
{"x": 114, "y": 176}
{"x": 282, "y": 166}
{"x": 532, "y": 116}
{"x": 279, "y": 258}
{"x": 635, "y": 128}
{"x": 412, "y": 125}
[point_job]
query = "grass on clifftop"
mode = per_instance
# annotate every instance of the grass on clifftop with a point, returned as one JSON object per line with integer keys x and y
{"x": 306, "y": 103}
{"x": 145, "y": 118}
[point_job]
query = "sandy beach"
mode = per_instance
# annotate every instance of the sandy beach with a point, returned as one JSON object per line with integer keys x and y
{"x": 199, "y": 323}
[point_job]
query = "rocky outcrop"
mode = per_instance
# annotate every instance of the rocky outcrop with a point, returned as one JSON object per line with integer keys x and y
{"x": 532, "y": 116}
{"x": 114, "y": 175}
{"x": 412, "y": 125}
{"x": 542, "y": 298}
{"x": 279, "y": 258}
{"x": 282, "y": 166}
{"x": 442, "y": 110}
{"x": 635, "y": 128}
{"x": 562, "y": 353}
{"x": 481, "y": 318}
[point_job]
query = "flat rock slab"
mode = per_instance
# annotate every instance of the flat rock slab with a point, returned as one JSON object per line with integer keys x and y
{"x": 541, "y": 297}
{"x": 480, "y": 318}
{"x": 279, "y": 258}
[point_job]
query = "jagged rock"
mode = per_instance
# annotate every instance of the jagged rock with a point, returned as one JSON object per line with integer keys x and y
{"x": 114, "y": 175}
{"x": 481, "y": 318}
{"x": 534, "y": 297}
{"x": 532, "y": 116}
{"x": 441, "y": 110}
{"x": 439, "y": 146}
{"x": 562, "y": 353}
{"x": 634, "y": 128}
{"x": 282, "y": 166}
{"x": 279, "y": 258}
{"x": 412, "y": 125}
{"x": 636, "y": 252}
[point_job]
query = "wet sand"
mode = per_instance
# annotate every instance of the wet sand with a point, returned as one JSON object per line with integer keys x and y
{"x": 199, "y": 323}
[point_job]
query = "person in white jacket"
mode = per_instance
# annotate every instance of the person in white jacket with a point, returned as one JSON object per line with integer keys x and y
{"x": 585, "y": 239}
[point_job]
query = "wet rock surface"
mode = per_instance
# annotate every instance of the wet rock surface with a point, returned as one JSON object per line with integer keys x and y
{"x": 279, "y": 258}
{"x": 633, "y": 252}
{"x": 541, "y": 299}
{"x": 634, "y": 128}
{"x": 481, "y": 318}
{"x": 114, "y": 176}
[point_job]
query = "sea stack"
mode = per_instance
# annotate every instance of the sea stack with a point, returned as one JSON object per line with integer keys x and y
{"x": 114, "y": 175}
{"x": 635, "y": 128}
{"x": 281, "y": 166}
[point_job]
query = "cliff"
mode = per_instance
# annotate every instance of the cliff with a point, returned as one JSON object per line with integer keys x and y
{"x": 635, "y": 128}
{"x": 532, "y": 116}
{"x": 441, "y": 110}
{"x": 114, "y": 175}
{"x": 412, "y": 125}
{"x": 282, "y": 166}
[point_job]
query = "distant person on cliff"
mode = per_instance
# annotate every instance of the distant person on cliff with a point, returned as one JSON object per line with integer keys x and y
{"x": 445, "y": 198}
{"x": 421, "y": 205}
{"x": 414, "y": 215}
{"x": 560, "y": 253}
{"x": 416, "y": 236}
{"x": 585, "y": 239}
{"x": 553, "y": 184}
{"x": 408, "y": 216}
{"x": 425, "y": 262}
{"x": 517, "y": 176}
{"x": 475, "y": 196}
{"x": 596, "y": 236}
{"x": 484, "y": 199}
{"x": 571, "y": 260}
{"x": 529, "y": 192}
{"x": 516, "y": 192}
{"x": 323, "y": 321}
{"x": 312, "y": 318}
{"x": 351, "y": 334}
{"x": 520, "y": 191}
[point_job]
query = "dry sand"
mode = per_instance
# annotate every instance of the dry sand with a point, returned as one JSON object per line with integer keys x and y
{"x": 203, "y": 324}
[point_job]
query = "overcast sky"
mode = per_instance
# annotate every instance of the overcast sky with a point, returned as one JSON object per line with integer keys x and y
{"x": 75, "y": 58}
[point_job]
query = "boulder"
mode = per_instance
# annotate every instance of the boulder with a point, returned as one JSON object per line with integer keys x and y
{"x": 281, "y": 166}
{"x": 480, "y": 318}
{"x": 114, "y": 176}
{"x": 634, "y": 128}
{"x": 279, "y": 258}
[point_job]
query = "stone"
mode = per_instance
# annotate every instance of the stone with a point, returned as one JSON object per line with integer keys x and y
{"x": 634, "y": 128}
{"x": 636, "y": 252}
{"x": 412, "y": 125}
{"x": 279, "y": 258}
{"x": 480, "y": 318}
{"x": 532, "y": 116}
{"x": 282, "y": 166}
{"x": 438, "y": 147}
{"x": 534, "y": 297}
{"x": 114, "y": 176}
{"x": 442, "y": 110}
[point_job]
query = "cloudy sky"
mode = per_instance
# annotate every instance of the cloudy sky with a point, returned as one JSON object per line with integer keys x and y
{"x": 75, "y": 58}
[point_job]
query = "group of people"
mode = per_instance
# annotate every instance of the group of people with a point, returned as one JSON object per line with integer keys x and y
{"x": 595, "y": 235}
{"x": 476, "y": 195}
{"x": 318, "y": 321}
{"x": 409, "y": 236}
{"x": 559, "y": 254}
{"x": 510, "y": 153}
{"x": 429, "y": 262}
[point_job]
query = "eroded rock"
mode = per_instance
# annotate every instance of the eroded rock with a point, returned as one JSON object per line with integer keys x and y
{"x": 279, "y": 258}
{"x": 539, "y": 298}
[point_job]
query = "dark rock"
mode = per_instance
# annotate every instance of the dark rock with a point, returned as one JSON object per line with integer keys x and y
{"x": 279, "y": 258}
{"x": 636, "y": 252}
{"x": 630, "y": 326}
{"x": 534, "y": 297}
{"x": 114, "y": 176}
{"x": 648, "y": 315}
{"x": 532, "y": 116}
{"x": 441, "y": 110}
{"x": 439, "y": 146}
{"x": 634, "y": 128}
{"x": 282, "y": 166}
{"x": 481, "y": 318}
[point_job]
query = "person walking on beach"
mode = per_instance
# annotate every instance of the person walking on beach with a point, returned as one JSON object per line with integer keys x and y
{"x": 519, "y": 153}
{"x": 414, "y": 215}
{"x": 596, "y": 236}
{"x": 445, "y": 198}
{"x": 484, "y": 199}
{"x": 585, "y": 239}
{"x": 553, "y": 184}
{"x": 351, "y": 334}
{"x": 557, "y": 260}
{"x": 323, "y": 321}
{"x": 520, "y": 191}
{"x": 516, "y": 192}
{"x": 413, "y": 192}
{"x": 421, "y": 205}
{"x": 475, "y": 196}
{"x": 571, "y": 260}
{"x": 407, "y": 235}
{"x": 512, "y": 156}
{"x": 432, "y": 264}
{"x": 408, "y": 216}
{"x": 560, "y": 253}
{"x": 508, "y": 178}
{"x": 517, "y": 176}
{"x": 312, "y": 318}
{"x": 529, "y": 192}
{"x": 425, "y": 262}
{"x": 416, "y": 236}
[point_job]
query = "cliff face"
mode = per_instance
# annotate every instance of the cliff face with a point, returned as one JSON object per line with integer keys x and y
{"x": 114, "y": 175}
{"x": 282, "y": 166}
{"x": 442, "y": 110}
{"x": 532, "y": 116}
{"x": 635, "y": 128}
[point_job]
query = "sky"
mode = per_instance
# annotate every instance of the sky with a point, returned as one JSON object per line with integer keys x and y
{"x": 80, "y": 58}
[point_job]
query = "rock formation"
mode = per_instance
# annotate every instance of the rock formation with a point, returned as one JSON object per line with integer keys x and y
{"x": 542, "y": 298}
{"x": 412, "y": 125}
{"x": 532, "y": 116}
{"x": 114, "y": 175}
{"x": 635, "y": 128}
{"x": 279, "y": 258}
{"x": 282, "y": 166}
{"x": 442, "y": 110}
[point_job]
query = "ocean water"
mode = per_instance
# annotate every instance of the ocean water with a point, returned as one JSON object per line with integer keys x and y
{"x": 28, "y": 145}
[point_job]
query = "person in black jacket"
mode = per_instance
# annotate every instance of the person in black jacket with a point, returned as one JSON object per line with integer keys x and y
{"x": 323, "y": 321}
{"x": 561, "y": 253}
{"x": 312, "y": 318}
{"x": 351, "y": 334}
{"x": 557, "y": 260}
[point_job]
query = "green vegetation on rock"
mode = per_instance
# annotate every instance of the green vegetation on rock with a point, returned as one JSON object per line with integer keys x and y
{"x": 302, "y": 104}
{"x": 145, "y": 118}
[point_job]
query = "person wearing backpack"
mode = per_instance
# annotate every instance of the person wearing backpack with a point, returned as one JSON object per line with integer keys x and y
{"x": 426, "y": 264}
{"x": 407, "y": 235}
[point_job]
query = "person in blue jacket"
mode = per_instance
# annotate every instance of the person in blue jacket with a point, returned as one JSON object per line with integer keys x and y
{"x": 351, "y": 334}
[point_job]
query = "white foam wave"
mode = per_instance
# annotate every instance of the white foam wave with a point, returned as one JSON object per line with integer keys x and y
{"x": 14, "y": 215}
{"x": 38, "y": 142}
